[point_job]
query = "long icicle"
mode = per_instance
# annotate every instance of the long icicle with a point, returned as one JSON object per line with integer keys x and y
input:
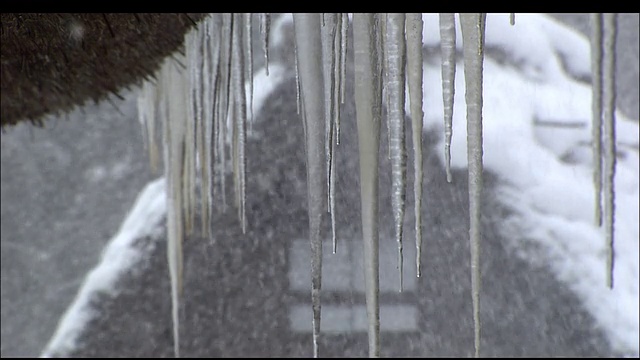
{"x": 473, "y": 42}
{"x": 448, "y": 50}
{"x": 233, "y": 116}
{"x": 216, "y": 142}
{"x": 610, "y": 27}
{"x": 239, "y": 116}
{"x": 328, "y": 32}
{"x": 338, "y": 82}
{"x": 196, "y": 60}
{"x": 209, "y": 73}
{"x": 175, "y": 81}
{"x": 327, "y": 72}
{"x": 395, "y": 48}
{"x": 414, "y": 76}
{"x": 308, "y": 42}
{"x": 596, "y": 111}
{"x": 368, "y": 114}
{"x": 188, "y": 173}
{"x": 223, "y": 93}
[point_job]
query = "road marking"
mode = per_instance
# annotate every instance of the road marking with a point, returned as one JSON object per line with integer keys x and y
{"x": 338, "y": 319}
{"x": 343, "y": 271}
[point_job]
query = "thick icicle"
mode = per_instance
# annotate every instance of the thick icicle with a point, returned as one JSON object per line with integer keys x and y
{"x": 473, "y": 42}
{"x": 414, "y": 76}
{"x": 309, "y": 50}
{"x": 368, "y": 114}
{"x": 448, "y": 50}
{"x": 512, "y": 19}
{"x": 265, "y": 24}
{"x": 395, "y": 49}
{"x": 596, "y": 109}
{"x": 610, "y": 27}
{"x": 195, "y": 59}
{"x": 239, "y": 117}
{"x": 175, "y": 103}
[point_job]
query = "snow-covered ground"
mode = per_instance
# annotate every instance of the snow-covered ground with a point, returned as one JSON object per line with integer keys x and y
{"x": 545, "y": 171}
{"x": 144, "y": 219}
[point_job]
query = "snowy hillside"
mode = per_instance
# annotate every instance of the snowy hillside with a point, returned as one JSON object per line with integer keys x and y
{"x": 546, "y": 170}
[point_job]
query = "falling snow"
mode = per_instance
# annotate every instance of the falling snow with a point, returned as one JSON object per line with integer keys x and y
{"x": 204, "y": 106}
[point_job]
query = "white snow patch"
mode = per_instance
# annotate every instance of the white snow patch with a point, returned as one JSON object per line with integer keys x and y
{"x": 264, "y": 85}
{"x": 120, "y": 255}
{"x": 548, "y": 170}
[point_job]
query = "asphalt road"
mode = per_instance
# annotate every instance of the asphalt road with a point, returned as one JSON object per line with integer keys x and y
{"x": 66, "y": 189}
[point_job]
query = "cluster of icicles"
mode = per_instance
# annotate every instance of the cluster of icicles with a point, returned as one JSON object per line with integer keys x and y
{"x": 201, "y": 100}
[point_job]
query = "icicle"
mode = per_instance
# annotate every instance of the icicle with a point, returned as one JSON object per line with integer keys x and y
{"x": 299, "y": 100}
{"x": 239, "y": 117}
{"x": 327, "y": 72}
{"x": 195, "y": 59}
{"x": 265, "y": 23}
{"x": 332, "y": 191}
{"x": 473, "y": 42}
{"x": 395, "y": 48}
{"x": 201, "y": 128}
{"x": 223, "y": 91}
{"x": 338, "y": 81}
{"x": 343, "y": 57}
{"x": 512, "y": 19}
{"x": 173, "y": 114}
{"x": 385, "y": 75}
{"x": 210, "y": 48}
{"x": 368, "y": 113}
{"x": 596, "y": 109}
{"x": 328, "y": 33}
{"x": 248, "y": 55}
{"x": 448, "y": 49}
{"x": 309, "y": 50}
{"x": 295, "y": 57}
{"x": 341, "y": 72}
{"x": 188, "y": 173}
{"x": 610, "y": 27}
{"x": 414, "y": 76}
{"x": 146, "y": 115}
